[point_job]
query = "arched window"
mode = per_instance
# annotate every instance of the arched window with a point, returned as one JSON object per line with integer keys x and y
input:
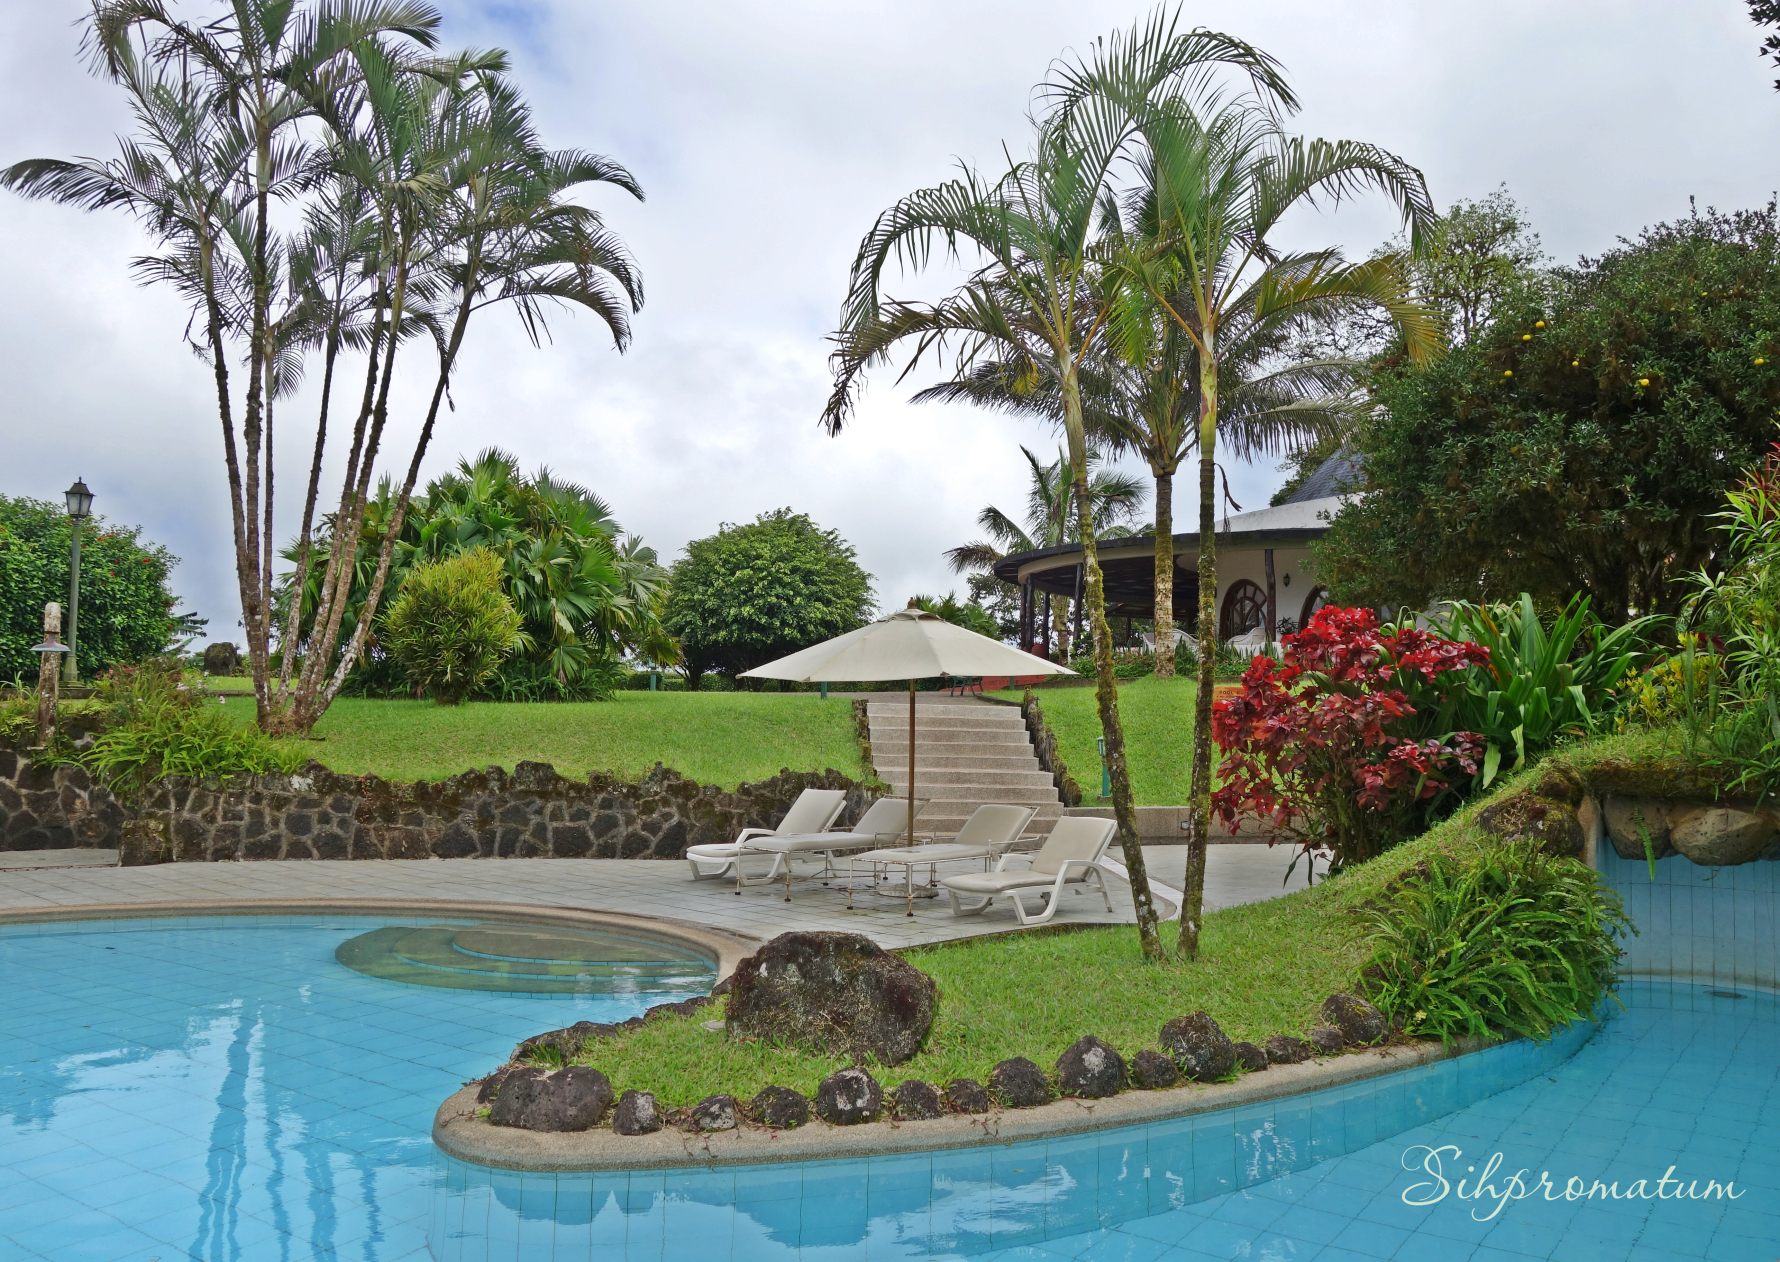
{"x": 1245, "y": 608}
{"x": 1319, "y": 596}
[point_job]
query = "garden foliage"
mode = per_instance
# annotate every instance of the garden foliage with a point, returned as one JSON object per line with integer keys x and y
{"x": 452, "y": 626}
{"x": 163, "y": 724}
{"x": 126, "y": 610}
{"x": 586, "y": 592}
{"x": 754, "y": 592}
{"x": 1509, "y": 940}
{"x": 1583, "y": 439}
{"x": 1539, "y": 684}
{"x": 1323, "y": 743}
{"x": 1734, "y": 721}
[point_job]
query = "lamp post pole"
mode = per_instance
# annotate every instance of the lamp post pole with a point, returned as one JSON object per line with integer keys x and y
{"x": 80, "y": 507}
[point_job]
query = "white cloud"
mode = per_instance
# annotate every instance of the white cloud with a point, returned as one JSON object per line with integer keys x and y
{"x": 767, "y": 137}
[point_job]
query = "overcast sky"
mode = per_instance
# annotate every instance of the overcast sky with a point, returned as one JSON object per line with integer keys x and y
{"x": 767, "y": 136}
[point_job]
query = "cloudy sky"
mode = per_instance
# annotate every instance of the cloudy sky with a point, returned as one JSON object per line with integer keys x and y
{"x": 767, "y": 136}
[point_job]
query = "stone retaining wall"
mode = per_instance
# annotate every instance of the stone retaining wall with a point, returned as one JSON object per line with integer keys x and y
{"x": 320, "y": 814}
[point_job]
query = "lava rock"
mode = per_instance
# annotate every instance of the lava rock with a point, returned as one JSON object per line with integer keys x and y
{"x": 1283, "y": 1049}
{"x": 570, "y": 1041}
{"x": 1328, "y": 1040}
{"x": 1249, "y": 1058}
{"x": 571, "y": 1099}
{"x": 1360, "y": 1023}
{"x": 1201, "y": 1049}
{"x": 1720, "y": 836}
{"x": 221, "y": 658}
{"x": 1153, "y": 1071}
{"x": 917, "y": 1101}
{"x": 780, "y": 1108}
{"x": 1556, "y": 826}
{"x": 1622, "y": 817}
{"x": 839, "y": 992}
{"x": 713, "y": 1113}
{"x": 967, "y": 1095}
{"x": 1019, "y": 1084}
{"x": 684, "y": 1008}
{"x": 848, "y": 1097}
{"x": 489, "y": 1087}
{"x": 636, "y": 1114}
{"x": 1090, "y": 1069}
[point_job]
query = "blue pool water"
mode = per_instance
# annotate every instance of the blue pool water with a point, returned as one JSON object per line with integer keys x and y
{"x": 223, "y": 1088}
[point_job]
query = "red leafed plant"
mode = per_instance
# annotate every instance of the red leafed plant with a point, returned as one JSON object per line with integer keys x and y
{"x": 1317, "y": 743}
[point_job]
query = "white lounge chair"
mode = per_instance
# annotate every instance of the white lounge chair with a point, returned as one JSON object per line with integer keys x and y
{"x": 813, "y": 812}
{"x": 1070, "y": 856}
{"x": 1181, "y": 638}
{"x": 883, "y": 824}
{"x": 989, "y": 831}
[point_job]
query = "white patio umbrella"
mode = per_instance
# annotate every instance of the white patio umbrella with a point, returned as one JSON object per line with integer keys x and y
{"x": 910, "y": 644}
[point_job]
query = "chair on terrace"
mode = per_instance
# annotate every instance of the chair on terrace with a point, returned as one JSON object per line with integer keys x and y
{"x": 813, "y": 812}
{"x": 1070, "y": 856}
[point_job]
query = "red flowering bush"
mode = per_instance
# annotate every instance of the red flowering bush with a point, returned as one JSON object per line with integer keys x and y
{"x": 1319, "y": 743}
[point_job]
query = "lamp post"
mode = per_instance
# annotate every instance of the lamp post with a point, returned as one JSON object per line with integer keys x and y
{"x": 80, "y": 507}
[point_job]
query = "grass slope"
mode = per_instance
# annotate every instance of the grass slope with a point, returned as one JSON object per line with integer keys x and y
{"x": 1158, "y": 719}
{"x": 720, "y": 738}
{"x": 1264, "y": 968}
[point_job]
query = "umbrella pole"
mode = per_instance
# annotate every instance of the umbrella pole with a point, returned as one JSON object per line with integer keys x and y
{"x": 909, "y": 837}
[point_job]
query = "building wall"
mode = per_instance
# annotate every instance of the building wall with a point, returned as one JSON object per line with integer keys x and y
{"x": 1293, "y": 574}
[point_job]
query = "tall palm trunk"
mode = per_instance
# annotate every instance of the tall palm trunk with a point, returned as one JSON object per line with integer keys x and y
{"x": 1106, "y": 694}
{"x": 1163, "y": 615}
{"x": 1199, "y": 798}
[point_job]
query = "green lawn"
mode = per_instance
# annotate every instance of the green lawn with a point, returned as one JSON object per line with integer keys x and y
{"x": 720, "y": 738}
{"x": 1264, "y": 968}
{"x": 1158, "y": 719}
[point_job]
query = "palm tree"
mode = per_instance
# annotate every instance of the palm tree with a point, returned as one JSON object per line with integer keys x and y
{"x": 1038, "y": 299}
{"x": 1050, "y": 519}
{"x": 1216, "y": 183}
{"x": 1143, "y": 398}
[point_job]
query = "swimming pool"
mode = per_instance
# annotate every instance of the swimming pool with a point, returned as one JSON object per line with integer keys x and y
{"x": 222, "y": 1088}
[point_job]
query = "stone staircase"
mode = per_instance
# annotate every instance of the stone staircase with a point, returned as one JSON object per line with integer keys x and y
{"x": 967, "y": 753}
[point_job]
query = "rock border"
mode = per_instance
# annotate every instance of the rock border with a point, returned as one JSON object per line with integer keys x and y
{"x": 459, "y": 1133}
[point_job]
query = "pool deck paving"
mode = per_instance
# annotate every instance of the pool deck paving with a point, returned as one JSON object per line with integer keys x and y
{"x": 1235, "y": 874}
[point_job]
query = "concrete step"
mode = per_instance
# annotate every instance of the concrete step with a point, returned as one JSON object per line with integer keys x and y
{"x": 892, "y": 740}
{"x": 887, "y": 769}
{"x": 1033, "y": 778}
{"x": 1009, "y": 729}
{"x": 1017, "y": 794}
{"x": 966, "y": 718}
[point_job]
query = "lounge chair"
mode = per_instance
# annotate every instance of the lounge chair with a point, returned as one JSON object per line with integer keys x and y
{"x": 1070, "y": 856}
{"x": 1181, "y": 638}
{"x": 988, "y": 832}
{"x": 883, "y": 824}
{"x": 813, "y": 811}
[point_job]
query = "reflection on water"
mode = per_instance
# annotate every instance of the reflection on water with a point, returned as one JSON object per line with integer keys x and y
{"x": 225, "y": 1089}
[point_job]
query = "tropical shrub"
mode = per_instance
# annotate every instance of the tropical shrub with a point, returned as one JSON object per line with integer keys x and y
{"x": 754, "y": 592}
{"x": 1735, "y": 720}
{"x": 967, "y": 614}
{"x": 1582, "y": 440}
{"x": 586, "y": 593}
{"x": 126, "y": 609}
{"x": 1539, "y": 684}
{"x": 452, "y": 626}
{"x": 1508, "y": 940}
{"x": 1323, "y": 742}
{"x": 165, "y": 726}
{"x": 1662, "y": 695}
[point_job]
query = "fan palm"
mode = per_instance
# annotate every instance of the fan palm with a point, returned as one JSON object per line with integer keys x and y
{"x": 1038, "y": 299}
{"x": 1216, "y": 182}
{"x": 1113, "y": 497}
{"x": 1143, "y": 398}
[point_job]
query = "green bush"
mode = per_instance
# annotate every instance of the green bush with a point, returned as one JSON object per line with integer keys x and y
{"x": 167, "y": 727}
{"x": 452, "y": 626}
{"x": 755, "y": 592}
{"x": 125, "y": 606}
{"x": 1511, "y": 941}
